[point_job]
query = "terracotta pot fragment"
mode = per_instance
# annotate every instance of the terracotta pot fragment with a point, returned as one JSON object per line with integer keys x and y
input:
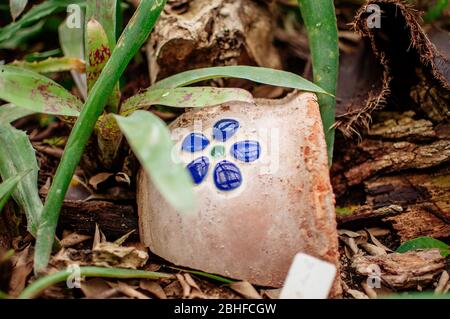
{"x": 264, "y": 196}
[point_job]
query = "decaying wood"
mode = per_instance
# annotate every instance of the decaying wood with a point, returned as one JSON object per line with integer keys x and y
{"x": 114, "y": 219}
{"x": 402, "y": 271}
{"x": 202, "y": 33}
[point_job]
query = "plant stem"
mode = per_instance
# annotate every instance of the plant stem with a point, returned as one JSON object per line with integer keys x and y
{"x": 321, "y": 24}
{"x": 132, "y": 38}
{"x": 45, "y": 282}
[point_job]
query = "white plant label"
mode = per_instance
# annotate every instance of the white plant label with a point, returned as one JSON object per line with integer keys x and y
{"x": 308, "y": 278}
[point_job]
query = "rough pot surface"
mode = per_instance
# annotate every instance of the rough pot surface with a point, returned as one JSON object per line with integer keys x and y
{"x": 281, "y": 204}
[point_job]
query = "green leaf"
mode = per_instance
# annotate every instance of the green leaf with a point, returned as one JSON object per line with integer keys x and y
{"x": 22, "y": 36}
{"x": 36, "y": 92}
{"x": 150, "y": 141}
{"x": 320, "y": 22}
{"x": 436, "y": 10}
{"x": 52, "y": 65}
{"x": 184, "y": 97}
{"x": 35, "y": 14}
{"x": 8, "y": 186}
{"x": 16, "y": 7}
{"x": 131, "y": 40}
{"x": 16, "y": 156}
{"x": 45, "y": 282}
{"x": 252, "y": 73}
{"x": 100, "y": 42}
{"x": 98, "y": 55}
{"x": 104, "y": 12}
{"x": 72, "y": 45}
{"x": 10, "y": 113}
{"x": 424, "y": 243}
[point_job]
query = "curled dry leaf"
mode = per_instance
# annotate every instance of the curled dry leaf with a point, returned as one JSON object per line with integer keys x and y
{"x": 113, "y": 255}
{"x": 130, "y": 291}
{"x": 153, "y": 287}
{"x": 245, "y": 289}
{"x": 73, "y": 239}
{"x": 373, "y": 250}
{"x": 22, "y": 267}
{"x": 443, "y": 283}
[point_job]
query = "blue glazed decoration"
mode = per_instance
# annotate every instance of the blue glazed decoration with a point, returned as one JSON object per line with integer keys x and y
{"x": 195, "y": 142}
{"x": 246, "y": 151}
{"x": 224, "y": 129}
{"x": 227, "y": 176}
{"x": 198, "y": 169}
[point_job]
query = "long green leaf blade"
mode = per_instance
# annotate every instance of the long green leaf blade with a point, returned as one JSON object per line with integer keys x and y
{"x": 252, "y": 73}
{"x": 132, "y": 38}
{"x": 52, "y": 65}
{"x": 36, "y": 92}
{"x": 150, "y": 140}
{"x": 17, "y": 155}
{"x": 10, "y": 112}
{"x": 72, "y": 45}
{"x": 8, "y": 186}
{"x": 184, "y": 97}
{"x": 321, "y": 24}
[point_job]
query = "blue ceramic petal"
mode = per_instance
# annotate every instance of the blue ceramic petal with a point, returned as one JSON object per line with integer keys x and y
{"x": 198, "y": 169}
{"x": 227, "y": 176}
{"x": 195, "y": 142}
{"x": 246, "y": 151}
{"x": 224, "y": 129}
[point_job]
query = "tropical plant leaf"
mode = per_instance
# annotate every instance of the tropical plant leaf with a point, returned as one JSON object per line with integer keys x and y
{"x": 319, "y": 18}
{"x": 101, "y": 40}
{"x": 150, "y": 140}
{"x": 184, "y": 97}
{"x": 104, "y": 12}
{"x": 133, "y": 37}
{"x": 17, "y": 155}
{"x": 424, "y": 243}
{"x": 10, "y": 112}
{"x": 16, "y": 7}
{"x": 22, "y": 36}
{"x": 35, "y": 14}
{"x": 52, "y": 65}
{"x": 252, "y": 73}
{"x": 36, "y": 92}
{"x": 98, "y": 53}
{"x": 72, "y": 45}
{"x": 8, "y": 186}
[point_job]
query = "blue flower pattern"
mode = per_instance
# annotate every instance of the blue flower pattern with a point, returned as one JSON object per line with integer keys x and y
{"x": 227, "y": 176}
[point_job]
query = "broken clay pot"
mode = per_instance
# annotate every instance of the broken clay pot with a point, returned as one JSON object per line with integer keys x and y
{"x": 262, "y": 187}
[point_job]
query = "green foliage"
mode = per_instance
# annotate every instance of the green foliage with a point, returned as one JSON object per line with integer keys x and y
{"x": 52, "y": 65}
{"x": 132, "y": 38}
{"x": 320, "y": 21}
{"x": 10, "y": 112}
{"x": 424, "y": 243}
{"x": 184, "y": 98}
{"x": 256, "y": 74}
{"x": 17, "y": 156}
{"x": 150, "y": 140}
{"x": 436, "y": 10}
{"x": 36, "y": 92}
{"x": 8, "y": 186}
{"x": 35, "y": 14}
{"x": 43, "y": 283}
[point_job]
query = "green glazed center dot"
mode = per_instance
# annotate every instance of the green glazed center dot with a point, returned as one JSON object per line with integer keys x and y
{"x": 218, "y": 151}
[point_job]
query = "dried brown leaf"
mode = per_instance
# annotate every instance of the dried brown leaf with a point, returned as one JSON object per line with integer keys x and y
{"x": 246, "y": 289}
{"x": 153, "y": 287}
